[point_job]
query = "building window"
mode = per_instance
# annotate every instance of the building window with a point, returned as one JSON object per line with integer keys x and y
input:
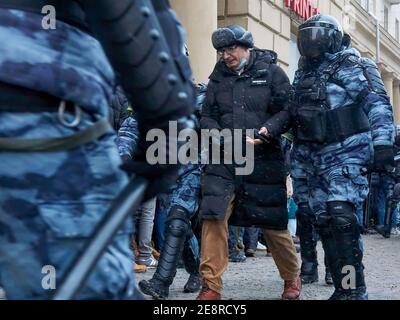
{"x": 368, "y": 5}
{"x": 365, "y": 4}
{"x": 397, "y": 30}
{"x": 386, "y": 18}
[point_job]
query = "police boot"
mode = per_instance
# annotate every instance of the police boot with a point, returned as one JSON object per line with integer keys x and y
{"x": 331, "y": 258}
{"x": 385, "y": 229}
{"x": 177, "y": 226}
{"x": 191, "y": 260}
{"x": 306, "y": 233}
{"x": 155, "y": 288}
{"x": 346, "y": 232}
{"x": 328, "y": 275}
{"x": 193, "y": 284}
{"x": 331, "y": 255}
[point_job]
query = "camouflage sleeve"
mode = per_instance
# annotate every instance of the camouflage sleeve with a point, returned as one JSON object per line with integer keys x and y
{"x": 187, "y": 192}
{"x": 373, "y": 100}
{"x": 128, "y": 137}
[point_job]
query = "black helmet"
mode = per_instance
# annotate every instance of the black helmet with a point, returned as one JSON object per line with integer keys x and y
{"x": 231, "y": 35}
{"x": 318, "y": 35}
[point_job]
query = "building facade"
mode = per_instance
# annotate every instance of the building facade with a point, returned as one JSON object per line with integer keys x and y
{"x": 274, "y": 24}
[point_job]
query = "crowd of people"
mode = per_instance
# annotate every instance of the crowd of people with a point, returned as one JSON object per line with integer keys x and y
{"x": 325, "y": 160}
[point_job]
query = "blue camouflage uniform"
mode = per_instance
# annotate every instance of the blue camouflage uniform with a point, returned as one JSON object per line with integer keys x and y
{"x": 125, "y": 123}
{"x": 186, "y": 191}
{"x": 186, "y": 194}
{"x": 128, "y": 137}
{"x": 174, "y": 234}
{"x": 332, "y": 172}
{"x": 343, "y": 126}
{"x": 50, "y": 202}
{"x": 327, "y": 176}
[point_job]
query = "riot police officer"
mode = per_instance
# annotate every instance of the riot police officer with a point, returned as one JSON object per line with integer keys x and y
{"x": 60, "y": 165}
{"x": 180, "y": 206}
{"x": 343, "y": 122}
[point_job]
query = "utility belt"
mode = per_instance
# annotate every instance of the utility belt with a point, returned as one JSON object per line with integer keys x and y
{"x": 21, "y": 100}
{"x": 317, "y": 125}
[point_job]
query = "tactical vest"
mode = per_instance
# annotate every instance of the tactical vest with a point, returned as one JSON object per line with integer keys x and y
{"x": 315, "y": 121}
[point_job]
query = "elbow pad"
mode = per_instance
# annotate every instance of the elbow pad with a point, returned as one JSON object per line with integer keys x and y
{"x": 134, "y": 42}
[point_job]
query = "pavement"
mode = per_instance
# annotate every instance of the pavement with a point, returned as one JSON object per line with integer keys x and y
{"x": 258, "y": 277}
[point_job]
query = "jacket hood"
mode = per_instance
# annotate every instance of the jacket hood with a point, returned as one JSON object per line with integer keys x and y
{"x": 269, "y": 56}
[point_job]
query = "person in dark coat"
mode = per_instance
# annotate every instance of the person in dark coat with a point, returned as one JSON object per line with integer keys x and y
{"x": 246, "y": 88}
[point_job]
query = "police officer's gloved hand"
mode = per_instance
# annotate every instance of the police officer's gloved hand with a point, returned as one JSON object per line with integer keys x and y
{"x": 383, "y": 159}
{"x": 125, "y": 158}
{"x": 161, "y": 176}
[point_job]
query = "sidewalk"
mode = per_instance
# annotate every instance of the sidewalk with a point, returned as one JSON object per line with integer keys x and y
{"x": 258, "y": 278}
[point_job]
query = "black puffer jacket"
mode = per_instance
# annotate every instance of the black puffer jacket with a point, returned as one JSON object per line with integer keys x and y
{"x": 246, "y": 102}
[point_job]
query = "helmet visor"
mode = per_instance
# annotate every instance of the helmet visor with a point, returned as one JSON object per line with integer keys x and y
{"x": 314, "y": 41}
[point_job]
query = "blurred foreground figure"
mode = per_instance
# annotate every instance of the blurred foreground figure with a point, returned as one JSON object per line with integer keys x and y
{"x": 182, "y": 204}
{"x": 59, "y": 163}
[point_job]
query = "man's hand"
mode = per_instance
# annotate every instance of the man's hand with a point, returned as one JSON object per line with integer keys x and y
{"x": 264, "y": 131}
{"x": 256, "y": 142}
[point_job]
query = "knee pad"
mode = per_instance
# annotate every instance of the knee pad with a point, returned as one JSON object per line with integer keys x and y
{"x": 178, "y": 222}
{"x": 323, "y": 220}
{"x": 305, "y": 217}
{"x": 342, "y": 215}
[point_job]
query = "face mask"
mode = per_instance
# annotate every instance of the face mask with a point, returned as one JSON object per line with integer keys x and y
{"x": 242, "y": 64}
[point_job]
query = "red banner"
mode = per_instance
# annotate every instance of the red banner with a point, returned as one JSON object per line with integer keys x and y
{"x": 304, "y": 8}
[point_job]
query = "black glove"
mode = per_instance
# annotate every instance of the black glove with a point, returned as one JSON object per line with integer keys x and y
{"x": 125, "y": 158}
{"x": 160, "y": 176}
{"x": 383, "y": 159}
